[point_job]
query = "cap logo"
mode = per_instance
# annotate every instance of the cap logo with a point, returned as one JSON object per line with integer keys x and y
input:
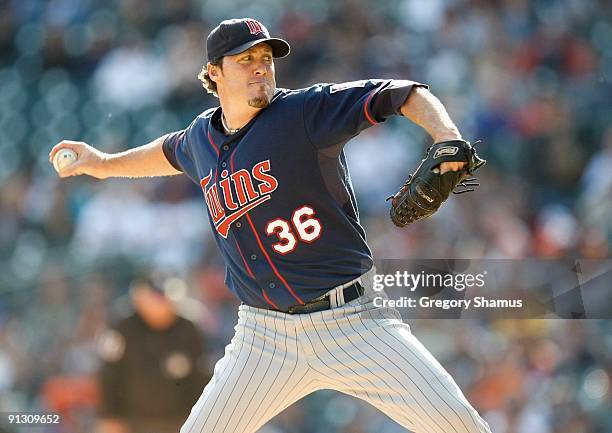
{"x": 254, "y": 27}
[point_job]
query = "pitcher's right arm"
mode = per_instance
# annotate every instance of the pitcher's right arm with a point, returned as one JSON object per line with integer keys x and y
{"x": 143, "y": 161}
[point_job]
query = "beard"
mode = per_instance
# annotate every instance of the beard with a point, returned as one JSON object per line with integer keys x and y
{"x": 264, "y": 98}
{"x": 259, "y": 102}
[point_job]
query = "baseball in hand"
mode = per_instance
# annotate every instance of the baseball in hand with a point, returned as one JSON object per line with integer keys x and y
{"x": 63, "y": 158}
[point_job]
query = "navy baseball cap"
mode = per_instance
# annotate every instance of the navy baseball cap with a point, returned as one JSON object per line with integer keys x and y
{"x": 237, "y": 35}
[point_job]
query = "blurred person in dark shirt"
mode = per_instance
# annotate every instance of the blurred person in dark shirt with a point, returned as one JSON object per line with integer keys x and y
{"x": 154, "y": 365}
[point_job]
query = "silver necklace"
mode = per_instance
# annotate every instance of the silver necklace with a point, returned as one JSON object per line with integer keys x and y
{"x": 227, "y": 128}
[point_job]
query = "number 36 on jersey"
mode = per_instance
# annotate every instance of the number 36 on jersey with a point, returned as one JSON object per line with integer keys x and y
{"x": 302, "y": 225}
{"x": 243, "y": 191}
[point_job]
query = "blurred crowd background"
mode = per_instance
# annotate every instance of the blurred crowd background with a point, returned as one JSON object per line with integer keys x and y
{"x": 531, "y": 79}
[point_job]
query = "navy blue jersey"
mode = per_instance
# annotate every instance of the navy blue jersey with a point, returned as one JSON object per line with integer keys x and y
{"x": 278, "y": 192}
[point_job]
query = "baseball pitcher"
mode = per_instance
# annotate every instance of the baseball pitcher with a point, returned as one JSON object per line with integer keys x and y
{"x": 274, "y": 179}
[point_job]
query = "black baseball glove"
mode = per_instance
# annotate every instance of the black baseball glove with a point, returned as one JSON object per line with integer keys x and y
{"x": 426, "y": 189}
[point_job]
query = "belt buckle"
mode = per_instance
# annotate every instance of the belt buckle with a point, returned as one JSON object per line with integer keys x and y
{"x": 295, "y": 309}
{"x": 326, "y": 296}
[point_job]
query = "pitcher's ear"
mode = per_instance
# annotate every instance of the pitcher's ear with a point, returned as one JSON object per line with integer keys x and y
{"x": 214, "y": 71}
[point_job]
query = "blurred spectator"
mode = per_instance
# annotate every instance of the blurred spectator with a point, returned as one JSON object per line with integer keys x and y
{"x": 154, "y": 365}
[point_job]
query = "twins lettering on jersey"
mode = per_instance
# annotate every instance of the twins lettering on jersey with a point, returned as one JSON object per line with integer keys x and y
{"x": 242, "y": 191}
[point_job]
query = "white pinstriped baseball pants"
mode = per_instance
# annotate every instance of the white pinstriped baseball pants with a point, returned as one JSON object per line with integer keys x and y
{"x": 274, "y": 359}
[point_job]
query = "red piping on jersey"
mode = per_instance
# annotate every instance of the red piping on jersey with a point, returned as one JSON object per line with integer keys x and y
{"x": 246, "y": 265}
{"x": 212, "y": 142}
{"x": 248, "y": 268}
{"x": 261, "y": 247}
{"x": 365, "y": 109}
{"x": 280, "y": 277}
{"x": 265, "y": 295}
{"x": 268, "y": 300}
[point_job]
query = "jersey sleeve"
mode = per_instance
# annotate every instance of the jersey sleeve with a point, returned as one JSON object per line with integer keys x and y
{"x": 334, "y": 113}
{"x": 177, "y": 149}
{"x": 171, "y": 145}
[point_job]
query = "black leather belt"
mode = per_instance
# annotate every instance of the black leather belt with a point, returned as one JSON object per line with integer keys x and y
{"x": 351, "y": 293}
